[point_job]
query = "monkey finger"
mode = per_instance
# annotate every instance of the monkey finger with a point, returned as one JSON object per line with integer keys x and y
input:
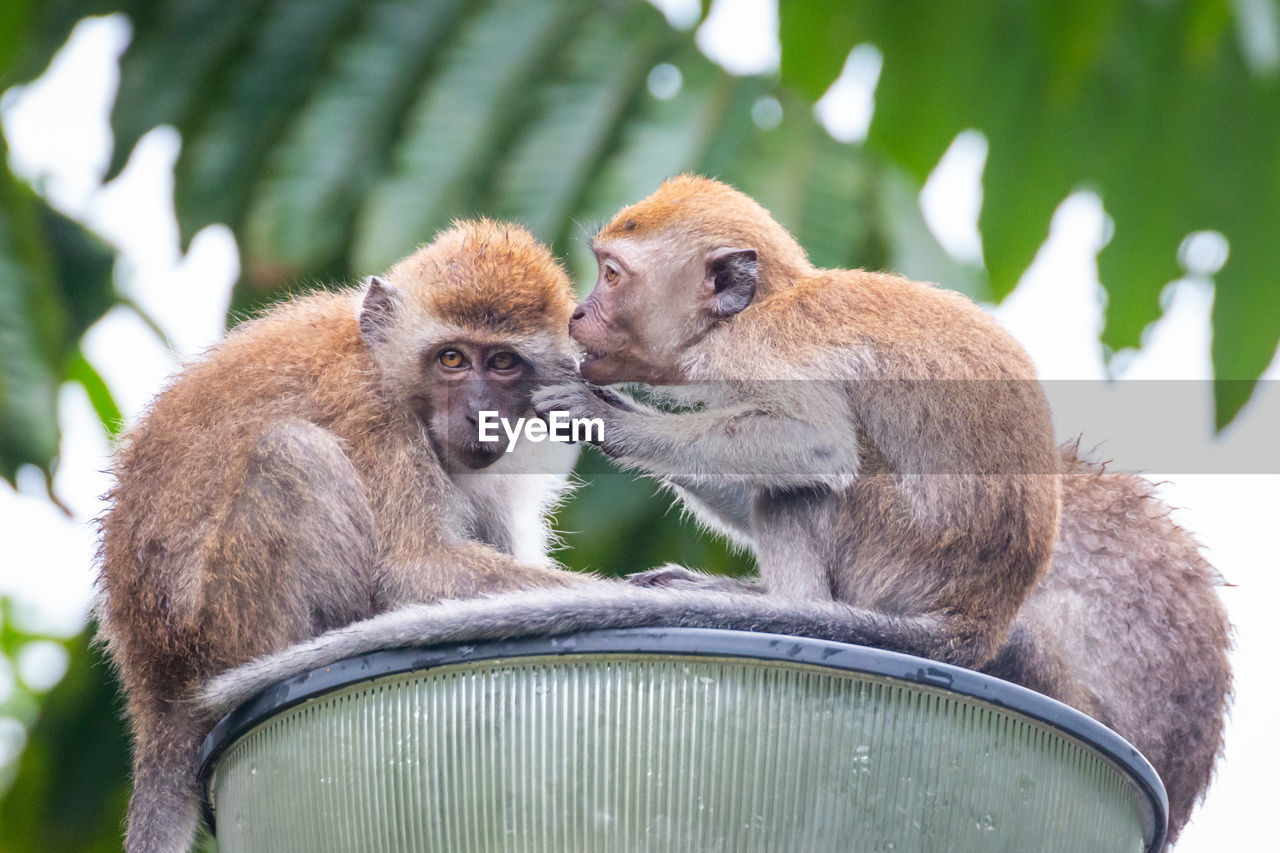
{"x": 573, "y": 398}
{"x": 615, "y": 399}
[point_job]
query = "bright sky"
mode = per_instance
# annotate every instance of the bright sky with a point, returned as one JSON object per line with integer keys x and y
{"x": 59, "y": 138}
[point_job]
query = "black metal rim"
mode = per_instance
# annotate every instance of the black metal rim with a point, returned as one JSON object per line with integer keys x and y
{"x": 709, "y": 642}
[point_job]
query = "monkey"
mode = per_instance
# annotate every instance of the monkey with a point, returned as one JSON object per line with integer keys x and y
{"x": 894, "y": 450}
{"x": 318, "y": 466}
{"x": 884, "y": 443}
{"x": 1152, "y": 667}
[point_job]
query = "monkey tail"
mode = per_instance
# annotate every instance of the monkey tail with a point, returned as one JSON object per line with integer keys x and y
{"x": 552, "y": 612}
{"x": 164, "y": 809}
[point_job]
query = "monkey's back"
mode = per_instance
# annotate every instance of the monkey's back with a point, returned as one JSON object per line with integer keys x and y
{"x": 175, "y": 471}
{"x": 966, "y": 475}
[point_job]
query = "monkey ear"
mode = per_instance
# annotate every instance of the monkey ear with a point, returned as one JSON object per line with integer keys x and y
{"x": 378, "y": 311}
{"x": 731, "y": 280}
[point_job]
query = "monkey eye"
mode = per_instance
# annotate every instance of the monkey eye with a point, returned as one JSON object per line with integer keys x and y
{"x": 452, "y": 359}
{"x": 504, "y": 360}
{"x": 610, "y": 273}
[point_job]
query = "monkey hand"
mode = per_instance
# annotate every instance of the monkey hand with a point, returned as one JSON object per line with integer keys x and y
{"x": 674, "y": 576}
{"x": 619, "y": 400}
{"x": 580, "y": 400}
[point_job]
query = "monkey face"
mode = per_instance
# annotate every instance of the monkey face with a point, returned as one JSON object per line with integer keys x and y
{"x": 464, "y": 379}
{"x": 652, "y": 301}
{"x": 465, "y": 368}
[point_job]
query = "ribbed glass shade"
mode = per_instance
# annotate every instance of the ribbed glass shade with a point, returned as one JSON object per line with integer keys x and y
{"x": 658, "y": 752}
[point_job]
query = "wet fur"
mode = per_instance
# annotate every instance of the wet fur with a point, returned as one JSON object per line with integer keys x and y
{"x": 1130, "y": 612}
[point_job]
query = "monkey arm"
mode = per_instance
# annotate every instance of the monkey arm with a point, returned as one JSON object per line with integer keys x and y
{"x": 492, "y": 571}
{"x": 746, "y": 445}
{"x": 721, "y": 504}
{"x": 741, "y": 447}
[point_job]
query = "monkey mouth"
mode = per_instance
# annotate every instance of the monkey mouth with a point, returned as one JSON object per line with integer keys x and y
{"x": 593, "y": 355}
{"x": 476, "y": 455}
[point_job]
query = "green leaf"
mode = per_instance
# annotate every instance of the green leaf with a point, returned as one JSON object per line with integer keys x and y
{"x": 1152, "y": 105}
{"x": 815, "y": 44}
{"x": 457, "y": 125}
{"x": 577, "y": 112}
{"x": 168, "y": 71}
{"x": 302, "y": 212}
{"x": 73, "y": 773}
{"x": 55, "y": 281}
{"x": 224, "y": 146}
{"x": 820, "y": 189}
{"x": 13, "y": 25}
{"x": 32, "y": 31}
{"x": 82, "y": 275}
{"x": 104, "y": 404}
{"x": 33, "y": 323}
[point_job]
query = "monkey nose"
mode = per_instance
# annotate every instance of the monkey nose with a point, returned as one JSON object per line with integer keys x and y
{"x": 578, "y": 314}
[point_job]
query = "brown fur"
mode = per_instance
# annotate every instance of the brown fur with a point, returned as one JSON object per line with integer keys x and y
{"x": 713, "y": 213}
{"x": 950, "y": 512}
{"x": 893, "y": 448}
{"x": 491, "y": 277}
{"x": 289, "y": 482}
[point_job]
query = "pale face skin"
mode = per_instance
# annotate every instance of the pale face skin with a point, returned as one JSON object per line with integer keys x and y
{"x": 652, "y": 300}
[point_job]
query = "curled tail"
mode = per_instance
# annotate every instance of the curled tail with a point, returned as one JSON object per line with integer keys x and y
{"x": 164, "y": 809}
{"x": 562, "y": 611}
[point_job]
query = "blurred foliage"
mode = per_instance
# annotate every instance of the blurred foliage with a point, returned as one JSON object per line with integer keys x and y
{"x": 1155, "y": 106}
{"x": 55, "y": 282}
{"x": 72, "y": 776}
{"x": 334, "y": 135}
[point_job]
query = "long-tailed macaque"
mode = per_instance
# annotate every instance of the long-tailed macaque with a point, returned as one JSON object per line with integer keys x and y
{"x": 321, "y": 465}
{"x": 893, "y": 447}
{"x": 884, "y": 443}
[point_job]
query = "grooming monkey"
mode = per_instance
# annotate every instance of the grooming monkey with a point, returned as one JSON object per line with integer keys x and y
{"x": 321, "y": 465}
{"x": 884, "y": 443}
{"x": 874, "y": 441}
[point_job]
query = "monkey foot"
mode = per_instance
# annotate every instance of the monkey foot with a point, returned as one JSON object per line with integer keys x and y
{"x": 673, "y": 576}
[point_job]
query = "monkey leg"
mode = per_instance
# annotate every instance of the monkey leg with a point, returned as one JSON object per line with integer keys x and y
{"x": 788, "y": 549}
{"x": 290, "y": 558}
{"x": 294, "y": 555}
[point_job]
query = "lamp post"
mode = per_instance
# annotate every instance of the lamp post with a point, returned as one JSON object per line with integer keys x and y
{"x": 669, "y": 739}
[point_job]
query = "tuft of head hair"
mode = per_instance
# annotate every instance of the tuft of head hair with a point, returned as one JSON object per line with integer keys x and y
{"x": 714, "y": 215}
{"x": 488, "y": 276}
